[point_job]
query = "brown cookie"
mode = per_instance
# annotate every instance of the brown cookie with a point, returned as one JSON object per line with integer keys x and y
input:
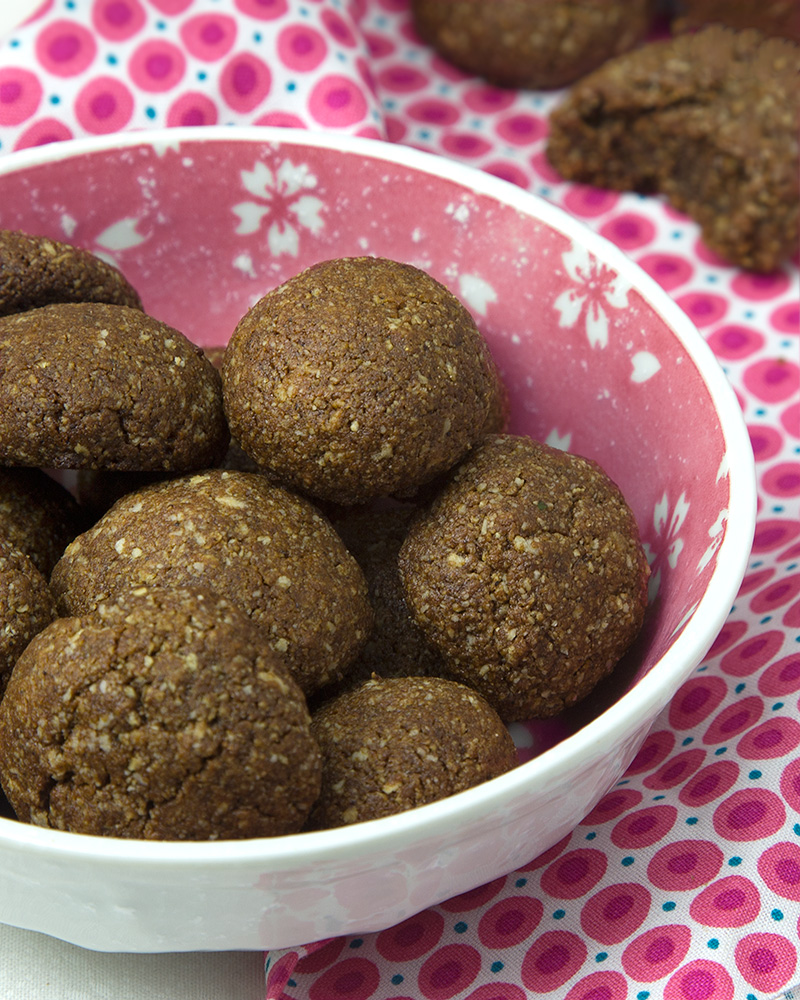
{"x": 26, "y": 606}
{"x": 37, "y": 271}
{"x": 358, "y": 378}
{"x": 528, "y": 574}
{"x": 394, "y": 744}
{"x": 710, "y": 121}
{"x": 90, "y": 385}
{"x": 772, "y": 17}
{"x": 159, "y": 716}
{"x": 535, "y": 44}
{"x": 38, "y": 515}
{"x": 268, "y": 551}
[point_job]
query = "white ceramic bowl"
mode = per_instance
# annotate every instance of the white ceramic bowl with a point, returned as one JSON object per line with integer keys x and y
{"x": 597, "y": 358}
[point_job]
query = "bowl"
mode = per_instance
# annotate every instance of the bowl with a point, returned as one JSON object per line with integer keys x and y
{"x": 597, "y": 359}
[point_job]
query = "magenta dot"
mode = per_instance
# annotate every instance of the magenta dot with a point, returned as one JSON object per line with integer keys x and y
{"x": 264, "y": 10}
{"x": 448, "y": 971}
{"x": 118, "y": 20}
{"x": 752, "y": 654}
{"x": 703, "y": 308}
{"x": 730, "y": 633}
{"x": 772, "y": 597}
{"x": 104, "y": 105}
{"x": 508, "y": 172}
{"x": 669, "y": 270}
{"x": 684, "y": 865}
{"x": 656, "y": 952}
{"x": 42, "y": 132}
{"x": 508, "y": 923}
{"x": 782, "y": 480}
{"x": 779, "y": 867}
{"x": 629, "y": 231}
{"x": 244, "y": 82}
{"x": 765, "y": 441}
{"x": 696, "y": 700}
{"x": 615, "y": 912}
{"x": 734, "y": 719}
{"x": 787, "y": 318}
{"x": 655, "y": 749}
{"x": 772, "y": 739}
{"x": 612, "y": 805}
{"x": 749, "y": 814}
{"x": 301, "y": 48}
{"x": 676, "y": 770}
{"x": 790, "y": 785}
{"x": 709, "y": 784}
{"x": 766, "y": 961}
{"x": 790, "y": 418}
{"x": 700, "y": 979}
{"x": 320, "y": 957}
{"x": 350, "y": 979}
{"x": 521, "y": 129}
{"x": 434, "y": 112}
{"x": 402, "y": 79}
{"x": 645, "y": 827}
{"x": 65, "y": 48}
{"x": 552, "y": 960}
{"x": 487, "y": 100}
{"x": 20, "y": 95}
{"x": 781, "y": 678}
{"x": 209, "y": 36}
{"x": 493, "y": 991}
{"x": 412, "y": 938}
{"x": 771, "y": 534}
{"x": 192, "y": 108}
{"x": 735, "y": 342}
{"x": 574, "y": 873}
{"x": 773, "y": 381}
{"x": 760, "y": 287}
{"x": 336, "y": 102}
{"x": 465, "y": 144}
{"x": 157, "y": 66}
{"x": 605, "y": 985}
{"x": 589, "y": 202}
{"x": 731, "y": 902}
{"x": 338, "y": 28}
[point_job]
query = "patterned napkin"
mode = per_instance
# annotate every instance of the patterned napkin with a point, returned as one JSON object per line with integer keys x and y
{"x": 684, "y": 882}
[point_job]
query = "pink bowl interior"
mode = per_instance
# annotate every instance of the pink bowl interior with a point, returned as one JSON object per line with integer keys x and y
{"x": 203, "y": 229}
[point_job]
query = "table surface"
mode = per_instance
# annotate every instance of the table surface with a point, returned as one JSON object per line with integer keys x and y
{"x": 684, "y": 884}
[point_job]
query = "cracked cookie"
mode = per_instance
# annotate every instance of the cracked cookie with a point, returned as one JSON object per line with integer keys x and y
{"x": 528, "y": 574}
{"x": 26, "y": 606}
{"x": 358, "y": 378}
{"x": 268, "y": 551}
{"x": 159, "y": 716}
{"x": 38, "y": 515}
{"x": 90, "y": 385}
{"x": 707, "y": 119}
{"x": 37, "y": 271}
{"x": 394, "y": 744}
{"x": 534, "y": 44}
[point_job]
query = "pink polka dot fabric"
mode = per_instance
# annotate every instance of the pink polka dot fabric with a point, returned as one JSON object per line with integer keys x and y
{"x": 683, "y": 883}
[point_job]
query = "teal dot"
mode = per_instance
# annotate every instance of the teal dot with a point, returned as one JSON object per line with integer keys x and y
{"x": 656, "y": 798}
{"x": 161, "y": 25}
{"x": 111, "y": 59}
{"x": 687, "y": 741}
{"x": 720, "y": 751}
{"x": 777, "y": 706}
{"x": 424, "y": 133}
{"x": 257, "y": 36}
{"x": 496, "y": 966}
{"x": 752, "y": 996}
{"x": 755, "y": 775}
{"x": 627, "y": 862}
{"x": 150, "y": 112}
{"x": 520, "y": 882}
{"x": 643, "y": 995}
{"x": 667, "y": 907}
{"x": 625, "y": 781}
{"x": 739, "y": 688}
{"x": 601, "y": 956}
{"x": 591, "y": 836}
{"x": 291, "y": 85}
{"x": 765, "y": 619}
{"x": 691, "y": 820}
{"x": 356, "y": 942}
{"x": 713, "y": 943}
{"x": 559, "y": 914}
{"x": 291, "y": 982}
{"x": 702, "y": 670}
{"x": 460, "y": 927}
{"x": 676, "y": 234}
{"x": 797, "y": 829}
{"x": 55, "y": 99}
{"x": 734, "y": 861}
{"x": 397, "y": 979}
{"x": 777, "y": 914}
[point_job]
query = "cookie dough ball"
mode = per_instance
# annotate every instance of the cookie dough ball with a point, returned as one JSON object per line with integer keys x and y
{"x": 26, "y": 606}
{"x": 38, "y": 515}
{"x": 37, "y": 271}
{"x": 358, "y": 378}
{"x": 90, "y": 385}
{"x": 535, "y": 44}
{"x": 396, "y": 646}
{"x": 159, "y": 716}
{"x": 268, "y": 551}
{"x": 394, "y": 744}
{"x": 710, "y": 121}
{"x": 528, "y": 574}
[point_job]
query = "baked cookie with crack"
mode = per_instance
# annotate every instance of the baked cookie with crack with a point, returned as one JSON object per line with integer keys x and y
{"x": 397, "y": 743}
{"x": 26, "y": 606}
{"x": 91, "y": 385}
{"x": 159, "y": 716}
{"x": 268, "y": 551}
{"x": 528, "y": 574}
{"x": 37, "y": 271}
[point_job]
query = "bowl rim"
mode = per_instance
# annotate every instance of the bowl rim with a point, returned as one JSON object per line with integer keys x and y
{"x": 624, "y": 716}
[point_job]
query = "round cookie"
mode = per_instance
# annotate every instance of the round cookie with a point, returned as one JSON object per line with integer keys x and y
{"x": 358, "y": 378}
{"x": 90, "y": 385}
{"x": 396, "y": 646}
{"x": 534, "y": 44}
{"x": 26, "y": 606}
{"x": 268, "y": 551}
{"x": 394, "y": 744}
{"x": 37, "y": 271}
{"x": 159, "y": 716}
{"x": 38, "y": 515}
{"x": 528, "y": 574}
